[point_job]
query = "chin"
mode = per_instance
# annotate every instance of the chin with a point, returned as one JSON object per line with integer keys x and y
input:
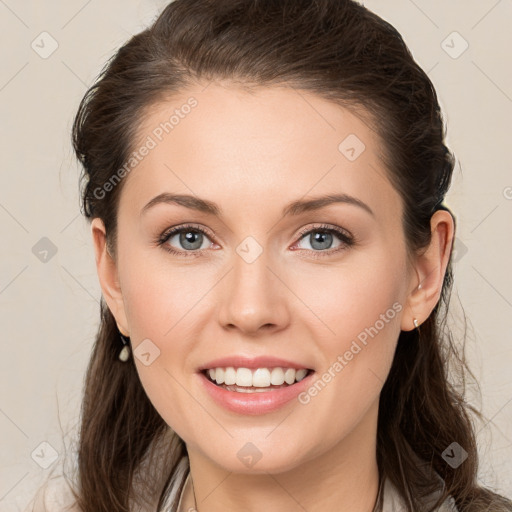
{"x": 250, "y": 460}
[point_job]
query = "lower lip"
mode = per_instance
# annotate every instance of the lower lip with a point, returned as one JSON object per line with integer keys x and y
{"x": 257, "y": 402}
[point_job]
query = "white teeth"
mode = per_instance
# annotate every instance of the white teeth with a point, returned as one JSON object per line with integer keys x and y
{"x": 243, "y": 377}
{"x": 300, "y": 374}
{"x": 259, "y": 378}
{"x": 289, "y": 376}
{"x": 218, "y": 375}
{"x": 277, "y": 377}
{"x": 229, "y": 376}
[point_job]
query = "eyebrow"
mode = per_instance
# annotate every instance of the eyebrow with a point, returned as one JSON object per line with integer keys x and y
{"x": 294, "y": 208}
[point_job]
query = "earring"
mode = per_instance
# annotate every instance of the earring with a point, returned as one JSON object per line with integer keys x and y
{"x": 416, "y": 323}
{"x": 419, "y": 286}
{"x": 125, "y": 351}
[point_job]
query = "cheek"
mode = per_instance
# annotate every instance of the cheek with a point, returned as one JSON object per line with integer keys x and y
{"x": 345, "y": 300}
{"x": 355, "y": 318}
{"x": 160, "y": 312}
{"x": 160, "y": 299}
{"x": 165, "y": 390}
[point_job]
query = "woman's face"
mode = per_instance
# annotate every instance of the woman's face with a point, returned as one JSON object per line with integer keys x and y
{"x": 266, "y": 279}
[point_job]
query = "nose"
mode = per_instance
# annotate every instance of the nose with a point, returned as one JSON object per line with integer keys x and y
{"x": 253, "y": 297}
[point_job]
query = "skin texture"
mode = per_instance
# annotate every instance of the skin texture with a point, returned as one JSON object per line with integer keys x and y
{"x": 253, "y": 154}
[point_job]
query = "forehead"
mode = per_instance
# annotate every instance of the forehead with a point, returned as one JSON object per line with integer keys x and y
{"x": 222, "y": 142}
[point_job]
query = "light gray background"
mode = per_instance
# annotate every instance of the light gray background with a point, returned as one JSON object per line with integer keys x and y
{"x": 50, "y": 310}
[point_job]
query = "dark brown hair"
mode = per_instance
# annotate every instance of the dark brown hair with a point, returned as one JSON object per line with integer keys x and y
{"x": 338, "y": 50}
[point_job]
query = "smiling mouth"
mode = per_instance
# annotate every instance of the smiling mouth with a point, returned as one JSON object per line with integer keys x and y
{"x": 245, "y": 380}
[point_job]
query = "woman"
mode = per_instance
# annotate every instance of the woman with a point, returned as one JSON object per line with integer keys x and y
{"x": 240, "y": 363}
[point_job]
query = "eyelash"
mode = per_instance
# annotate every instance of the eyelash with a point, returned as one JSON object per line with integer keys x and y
{"x": 346, "y": 238}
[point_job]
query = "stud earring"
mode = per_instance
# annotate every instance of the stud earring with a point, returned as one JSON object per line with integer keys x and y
{"x": 416, "y": 323}
{"x": 124, "y": 355}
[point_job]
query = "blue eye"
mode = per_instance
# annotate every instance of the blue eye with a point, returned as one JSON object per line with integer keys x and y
{"x": 192, "y": 238}
{"x": 321, "y": 239}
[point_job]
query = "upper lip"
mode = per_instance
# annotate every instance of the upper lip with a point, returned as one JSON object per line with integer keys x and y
{"x": 241, "y": 361}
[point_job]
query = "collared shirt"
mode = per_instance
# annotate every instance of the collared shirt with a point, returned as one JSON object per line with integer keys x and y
{"x": 56, "y": 496}
{"x": 392, "y": 500}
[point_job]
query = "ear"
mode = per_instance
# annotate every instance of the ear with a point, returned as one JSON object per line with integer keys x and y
{"x": 430, "y": 268}
{"x": 108, "y": 275}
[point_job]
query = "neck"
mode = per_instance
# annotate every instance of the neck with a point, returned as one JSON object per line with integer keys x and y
{"x": 344, "y": 478}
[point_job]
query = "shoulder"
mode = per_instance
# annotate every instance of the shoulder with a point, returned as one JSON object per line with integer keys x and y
{"x": 393, "y": 501}
{"x": 54, "y": 496}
